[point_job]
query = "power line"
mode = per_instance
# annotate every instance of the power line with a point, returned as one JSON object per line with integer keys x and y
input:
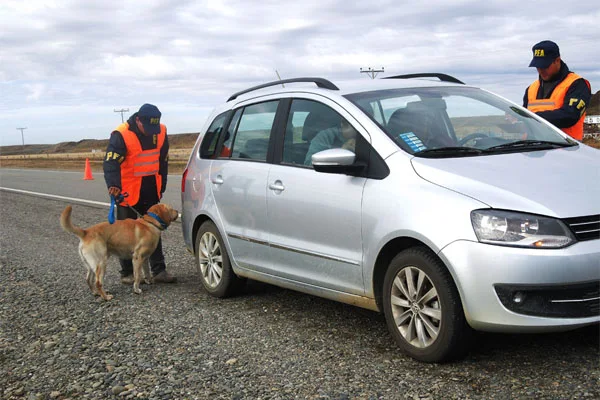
{"x": 22, "y": 137}
{"x": 371, "y": 72}
{"x": 122, "y": 110}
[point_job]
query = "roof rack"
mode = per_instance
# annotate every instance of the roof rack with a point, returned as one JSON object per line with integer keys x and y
{"x": 320, "y": 82}
{"x": 441, "y": 77}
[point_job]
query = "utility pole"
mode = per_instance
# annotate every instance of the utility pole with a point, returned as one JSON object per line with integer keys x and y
{"x": 22, "y": 137}
{"x": 371, "y": 72}
{"x": 122, "y": 110}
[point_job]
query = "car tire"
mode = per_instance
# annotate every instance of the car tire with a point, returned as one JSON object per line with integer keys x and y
{"x": 212, "y": 262}
{"x": 422, "y": 307}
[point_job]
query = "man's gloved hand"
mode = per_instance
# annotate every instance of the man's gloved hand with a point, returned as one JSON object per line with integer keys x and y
{"x": 114, "y": 191}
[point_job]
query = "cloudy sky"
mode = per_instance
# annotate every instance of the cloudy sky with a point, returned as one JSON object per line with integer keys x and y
{"x": 65, "y": 66}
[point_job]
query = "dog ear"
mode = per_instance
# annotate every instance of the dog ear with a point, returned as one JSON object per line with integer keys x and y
{"x": 164, "y": 212}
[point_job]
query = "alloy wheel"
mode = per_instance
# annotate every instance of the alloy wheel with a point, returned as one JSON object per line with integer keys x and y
{"x": 416, "y": 307}
{"x": 210, "y": 259}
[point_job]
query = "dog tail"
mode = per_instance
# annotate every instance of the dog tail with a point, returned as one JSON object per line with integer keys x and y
{"x": 65, "y": 222}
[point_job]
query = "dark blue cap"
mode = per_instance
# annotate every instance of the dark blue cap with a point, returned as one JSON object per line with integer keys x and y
{"x": 544, "y": 53}
{"x": 149, "y": 115}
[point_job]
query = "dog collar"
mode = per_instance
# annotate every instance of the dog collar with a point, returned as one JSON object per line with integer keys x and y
{"x": 159, "y": 220}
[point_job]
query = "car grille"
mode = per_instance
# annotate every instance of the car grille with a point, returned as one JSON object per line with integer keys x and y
{"x": 585, "y": 228}
{"x": 555, "y": 301}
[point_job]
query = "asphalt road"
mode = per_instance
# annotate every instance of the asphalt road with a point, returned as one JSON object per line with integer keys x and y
{"x": 71, "y": 184}
{"x": 175, "y": 341}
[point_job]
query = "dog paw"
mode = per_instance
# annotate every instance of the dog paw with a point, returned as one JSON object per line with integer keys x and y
{"x": 137, "y": 290}
{"x": 149, "y": 281}
{"x": 108, "y": 297}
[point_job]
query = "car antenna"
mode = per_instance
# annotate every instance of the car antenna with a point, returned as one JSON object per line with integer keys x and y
{"x": 279, "y": 77}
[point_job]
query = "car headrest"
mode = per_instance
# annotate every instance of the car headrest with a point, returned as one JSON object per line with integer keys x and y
{"x": 317, "y": 121}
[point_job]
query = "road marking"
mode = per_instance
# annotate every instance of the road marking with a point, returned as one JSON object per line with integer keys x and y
{"x": 45, "y": 170}
{"x": 61, "y": 171}
{"x": 53, "y": 196}
{"x": 56, "y": 197}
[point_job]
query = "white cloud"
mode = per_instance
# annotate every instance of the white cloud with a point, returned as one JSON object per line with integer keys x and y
{"x": 145, "y": 66}
{"x": 36, "y": 91}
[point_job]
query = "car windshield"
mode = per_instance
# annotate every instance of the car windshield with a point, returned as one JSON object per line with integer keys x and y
{"x": 455, "y": 122}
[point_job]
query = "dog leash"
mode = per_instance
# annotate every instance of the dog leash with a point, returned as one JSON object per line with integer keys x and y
{"x": 119, "y": 200}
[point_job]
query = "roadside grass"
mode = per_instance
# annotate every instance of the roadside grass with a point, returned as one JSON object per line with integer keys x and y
{"x": 592, "y": 142}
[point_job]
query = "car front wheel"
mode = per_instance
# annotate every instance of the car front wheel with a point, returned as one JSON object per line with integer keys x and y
{"x": 422, "y": 307}
{"x": 213, "y": 263}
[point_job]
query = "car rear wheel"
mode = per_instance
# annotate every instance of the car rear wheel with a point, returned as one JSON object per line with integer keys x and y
{"x": 422, "y": 307}
{"x": 213, "y": 263}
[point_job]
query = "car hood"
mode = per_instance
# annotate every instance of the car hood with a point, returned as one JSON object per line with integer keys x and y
{"x": 560, "y": 182}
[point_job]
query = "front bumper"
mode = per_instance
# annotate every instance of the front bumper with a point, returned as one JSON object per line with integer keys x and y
{"x": 508, "y": 289}
{"x": 578, "y": 300}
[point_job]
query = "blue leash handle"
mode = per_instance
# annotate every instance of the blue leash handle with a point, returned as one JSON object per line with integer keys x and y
{"x": 113, "y": 202}
{"x": 111, "y": 210}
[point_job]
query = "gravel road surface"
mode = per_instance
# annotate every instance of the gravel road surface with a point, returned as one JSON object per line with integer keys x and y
{"x": 175, "y": 342}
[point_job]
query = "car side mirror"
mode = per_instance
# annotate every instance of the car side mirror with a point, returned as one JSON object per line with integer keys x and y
{"x": 336, "y": 161}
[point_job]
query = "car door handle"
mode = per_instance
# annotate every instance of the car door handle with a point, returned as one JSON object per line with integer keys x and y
{"x": 218, "y": 180}
{"x": 277, "y": 186}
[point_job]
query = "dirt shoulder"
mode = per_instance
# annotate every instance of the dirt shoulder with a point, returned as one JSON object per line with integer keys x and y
{"x": 71, "y": 156}
{"x": 76, "y": 163}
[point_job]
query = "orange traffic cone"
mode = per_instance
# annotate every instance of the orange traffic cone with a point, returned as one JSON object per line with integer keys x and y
{"x": 87, "y": 174}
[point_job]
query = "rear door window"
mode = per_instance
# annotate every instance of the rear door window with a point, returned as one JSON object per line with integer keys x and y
{"x": 251, "y": 139}
{"x": 312, "y": 127}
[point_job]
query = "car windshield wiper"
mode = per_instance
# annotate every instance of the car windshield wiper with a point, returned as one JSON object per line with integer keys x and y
{"x": 449, "y": 152}
{"x": 531, "y": 145}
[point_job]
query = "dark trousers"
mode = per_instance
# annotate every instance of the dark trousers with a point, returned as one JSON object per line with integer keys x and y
{"x": 157, "y": 260}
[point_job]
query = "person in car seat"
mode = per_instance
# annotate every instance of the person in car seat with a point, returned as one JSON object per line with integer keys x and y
{"x": 340, "y": 136}
{"x": 422, "y": 125}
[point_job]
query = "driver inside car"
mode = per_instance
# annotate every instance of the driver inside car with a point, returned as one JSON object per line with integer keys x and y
{"x": 341, "y": 136}
{"x": 431, "y": 137}
{"x": 408, "y": 124}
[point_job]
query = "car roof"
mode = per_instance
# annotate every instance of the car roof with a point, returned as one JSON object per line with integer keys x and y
{"x": 341, "y": 88}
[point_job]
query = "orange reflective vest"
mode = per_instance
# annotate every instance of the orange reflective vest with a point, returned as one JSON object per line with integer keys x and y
{"x": 556, "y": 100}
{"x": 139, "y": 163}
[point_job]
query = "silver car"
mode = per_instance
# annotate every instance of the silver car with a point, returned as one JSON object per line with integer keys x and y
{"x": 442, "y": 205}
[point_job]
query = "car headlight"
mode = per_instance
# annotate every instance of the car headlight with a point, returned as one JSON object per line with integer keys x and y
{"x": 509, "y": 228}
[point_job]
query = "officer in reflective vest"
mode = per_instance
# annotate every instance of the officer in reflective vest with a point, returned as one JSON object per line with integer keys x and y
{"x": 558, "y": 95}
{"x": 136, "y": 162}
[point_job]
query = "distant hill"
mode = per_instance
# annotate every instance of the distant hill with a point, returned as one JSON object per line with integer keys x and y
{"x": 594, "y": 106}
{"x": 176, "y": 141}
